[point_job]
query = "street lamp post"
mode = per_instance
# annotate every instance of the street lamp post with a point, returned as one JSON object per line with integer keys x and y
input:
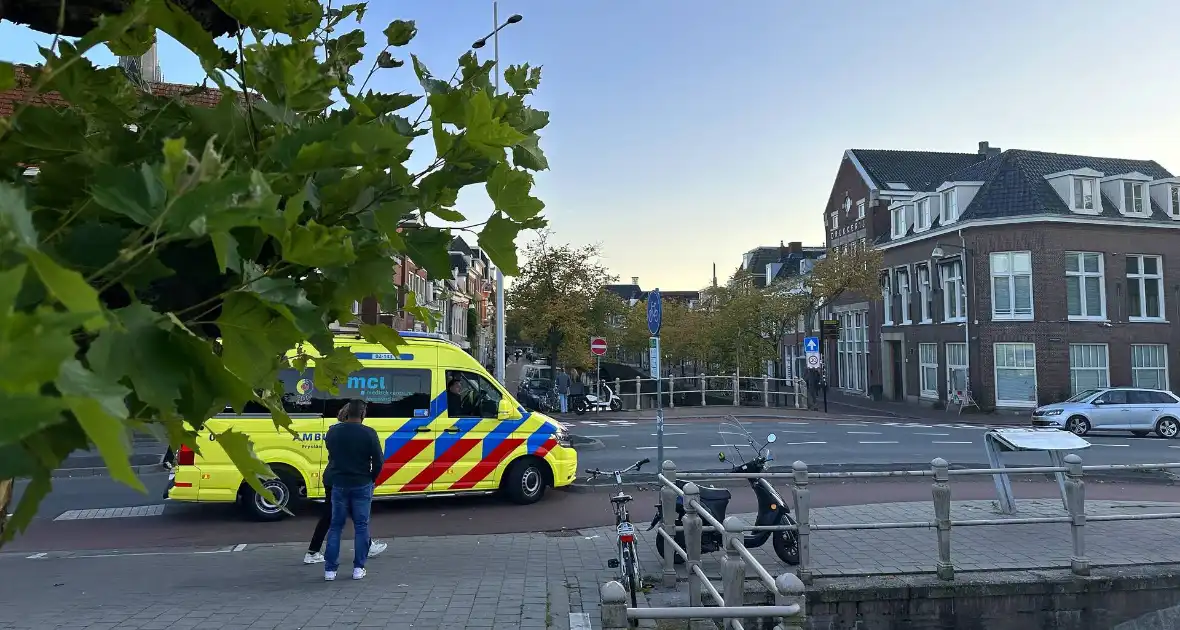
{"x": 480, "y": 43}
{"x": 940, "y": 252}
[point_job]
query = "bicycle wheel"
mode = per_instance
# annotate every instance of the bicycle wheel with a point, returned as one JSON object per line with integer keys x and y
{"x": 627, "y": 563}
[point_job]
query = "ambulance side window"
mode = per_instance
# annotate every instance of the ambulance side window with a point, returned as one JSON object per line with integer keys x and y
{"x": 470, "y": 395}
{"x": 299, "y": 392}
{"x": 391, "y": 393}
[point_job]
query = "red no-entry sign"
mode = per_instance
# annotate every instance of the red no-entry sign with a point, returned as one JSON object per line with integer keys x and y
{"x": 598, "y": 346}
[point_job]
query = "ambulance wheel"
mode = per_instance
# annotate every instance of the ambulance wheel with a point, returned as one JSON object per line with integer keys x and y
{"x": 283, "y": 488}
{"x": 525, "y": 480}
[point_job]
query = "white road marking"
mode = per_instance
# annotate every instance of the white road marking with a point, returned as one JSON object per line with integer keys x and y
{"x": 239, "y": 546}
{"x": 864, "y": 433}
{"x": 790, "y": 431}
{"x": 939, "y": 434}
{"x": 799, "y": 423}
{"x": 667, "y": 434}
{"x": 36, "y": 556}
{"x": 123, "y": 512}
{"x": 858, "y": 424}
{"x": 1101, "y": 444}
{"x": 599, "y": 437}
{"x": 673, "y": 424}
{"x": 720, "y": 445}
{"x": 580, "y": 621}
{"x": 938, "y": 442}
{"x": 652, "y": 448}
{"x": 885, "y": 442}
{"x": 800, "y": 443}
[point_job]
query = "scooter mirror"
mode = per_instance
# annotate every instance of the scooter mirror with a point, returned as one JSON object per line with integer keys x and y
{"x": 720, "y": 457}
{"x": 771, "y": 438}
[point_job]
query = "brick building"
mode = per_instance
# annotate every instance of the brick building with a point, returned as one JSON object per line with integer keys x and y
{"x": 1024, "y": 276}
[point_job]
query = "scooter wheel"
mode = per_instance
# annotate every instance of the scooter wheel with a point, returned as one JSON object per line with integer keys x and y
{"x": 786, "y": 547}
{"x": 616, "y": 405}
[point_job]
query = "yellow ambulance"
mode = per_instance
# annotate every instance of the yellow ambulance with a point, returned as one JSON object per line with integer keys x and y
{"x": 475, "y": 440}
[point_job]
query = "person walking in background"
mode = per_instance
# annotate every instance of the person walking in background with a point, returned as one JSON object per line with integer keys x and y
{"x": 313, "y": 555}
{"x": 355, "y": 457}
{"x": 562, "y": 384}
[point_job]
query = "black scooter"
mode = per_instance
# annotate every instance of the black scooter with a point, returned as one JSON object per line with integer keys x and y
{"x": 771, "y": 510}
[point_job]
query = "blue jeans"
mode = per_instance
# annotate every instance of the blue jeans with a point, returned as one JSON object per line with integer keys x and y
{"x": 356, "y": 500}
{"x": 565, "y": 402}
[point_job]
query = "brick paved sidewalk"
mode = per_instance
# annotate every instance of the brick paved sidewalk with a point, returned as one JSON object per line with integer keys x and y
{"x": 509, "y": 581}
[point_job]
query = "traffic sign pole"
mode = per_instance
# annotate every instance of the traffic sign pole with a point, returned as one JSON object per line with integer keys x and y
{"x": 598, "y": 348}
{"x": 655, "y": 316}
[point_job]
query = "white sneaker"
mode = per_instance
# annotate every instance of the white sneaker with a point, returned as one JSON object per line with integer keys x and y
{"x": 313, "y": 558}
{"x": 358, "y": 573}
{"x": 376, "y": 548}
{"x": 329, "y": 576}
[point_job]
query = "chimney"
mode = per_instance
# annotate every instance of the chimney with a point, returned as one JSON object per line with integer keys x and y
{"x": 635, "y": 280}
{"x": 987, "y": 151}
{"x": 796, "y": 247}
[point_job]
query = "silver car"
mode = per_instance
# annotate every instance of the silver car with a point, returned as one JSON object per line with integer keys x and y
{"x": 1133, "y": 409}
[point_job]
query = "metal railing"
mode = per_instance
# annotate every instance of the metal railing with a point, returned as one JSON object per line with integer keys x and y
{"x": 702, "y": 391}
{"x": 1075, "y": 497}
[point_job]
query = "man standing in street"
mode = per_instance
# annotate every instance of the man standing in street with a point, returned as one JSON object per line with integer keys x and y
{"x": 355, "y": 457}
{"x": 562, "y": 385}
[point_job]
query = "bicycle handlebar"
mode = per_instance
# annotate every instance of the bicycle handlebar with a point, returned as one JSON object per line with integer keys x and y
{"x": 595, "y": 472}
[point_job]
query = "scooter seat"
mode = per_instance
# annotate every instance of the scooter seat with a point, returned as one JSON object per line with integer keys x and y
{"x": 715, "y": 494}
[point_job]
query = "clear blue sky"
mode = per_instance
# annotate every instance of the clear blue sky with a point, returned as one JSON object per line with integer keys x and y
{"x": 685, "y": 132}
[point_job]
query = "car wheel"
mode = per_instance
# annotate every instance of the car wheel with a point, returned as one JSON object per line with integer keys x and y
{"x": 260, "y": 508}
{"x": 1168, "y": 427}
{"x": 524, "y": 481}
{"x": 1078, "y": 425}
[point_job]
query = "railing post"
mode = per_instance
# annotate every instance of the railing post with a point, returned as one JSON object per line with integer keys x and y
{"x": 704, "y": 403}
{"x": 618, "y": 392}
{"x": 737, "y": 390}
{"x": 692, "y": 541}
{"x": 802, "y": 495}
{"x": 942, "y": 514}
{"x": 733, "y": 567}
{"x": 614, "y": 606}
{"x": 765, "y": 391}
{"x": 1075, "y": 499}
{"x": 668, "y": 523}
{"x": 671, "y": 392}
{"x": 638, "y": 394}
{"x": 790, "y": 590}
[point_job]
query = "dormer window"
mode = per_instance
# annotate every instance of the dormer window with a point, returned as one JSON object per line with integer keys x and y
{"x": 950, "y": 207}
{"x": 1084, "y": 190}
{"x": 922, "y": 220}
{"x": 1133, "y": 198}
{"x": 1174, "y": 208}
{"x": 898, "y": 222}
{"x": 1166, "y": 194}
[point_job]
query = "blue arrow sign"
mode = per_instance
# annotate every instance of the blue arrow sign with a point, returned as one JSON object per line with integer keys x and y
{"x": 811, "y": 345}
{"x": 655, "y": 312}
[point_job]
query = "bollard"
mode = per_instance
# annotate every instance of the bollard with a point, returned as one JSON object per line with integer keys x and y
{"x": 668, "y": 498}
{"x": 802, "y": 494}
{"x": 1075, "y": 500}
{"x": 942, "y": 514}
{"x": 733, "y": 566}
{"x": 614, "y": 606}
{"x": 765, "y": 391}
{"x": 703, "y": 390}
{"x": 638, "y": 395}
{"x": 692, "y": 541}
{"x": 737, "y": 391}
{"x": 671, "y": 392}
{"x": 618, "y": 391}
{"x": 790, "y": 590}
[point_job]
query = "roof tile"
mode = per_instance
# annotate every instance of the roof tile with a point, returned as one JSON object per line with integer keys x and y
{"x": 916, "y": 169}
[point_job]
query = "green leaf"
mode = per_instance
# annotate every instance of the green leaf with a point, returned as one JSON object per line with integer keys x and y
{"x": 486, "y": 132}
{"x": 400, "y": 32}
{"x": 240, "y": 450}
{"x": 297, "y": 18}
{"x": 136, "y": 194}
{"x": 22, "y": 415}
{"x": 517, "y": 78}
{"x": 226, "y": 248}
{"x": 527, "y": 120}
{"x": 347, "y": 49}
{"x": 527, "y": 154}
{"x": 386, "y": 60}
{"x": 354, "y": 145}
{"x": 140, "y": 347}
{"x": 509, "y": 189}
{"x": 100, "y": 410}
{"x": 69, "y": 287}
{"x": 7, "y": 76}
{"x": 334, "y": 367}
{"x": 30, "y": 500}
{"x": 254, "y": 338}
{"x": 429, "y": 83}
{"x": 315, "y": 245}
{"x": 382, "y": 104}
{"x": 427, "y": 247}
{"x": 185, "y": 29}
{"x": 15, "y": 218}
{"x": 498, "y": 239}
{"x": 382, "y": 334}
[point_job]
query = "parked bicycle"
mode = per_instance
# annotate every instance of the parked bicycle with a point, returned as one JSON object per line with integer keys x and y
{"x": 628, "y": 557}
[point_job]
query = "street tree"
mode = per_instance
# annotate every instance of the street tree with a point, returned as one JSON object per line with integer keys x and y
{"x": 560, "y": 300}
{"x": 165, "y": 256}
{"x": 843, "y": 271}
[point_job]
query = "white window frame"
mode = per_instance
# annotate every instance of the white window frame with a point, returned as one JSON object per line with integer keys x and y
{"x": 928, "y": 382}
{"x": 903, "y": 293}
{"x": 1136, "y": 369}
{"x": 996, "y": 367}
{"x": 949, "y": 211}
{"x": 1135, "y": 191}
{"x": 887, "y": 295}
{"x": 897, "y": 220}
{"x": 1142, "y": 279}
{"x": 1077, "y": 195}
{"x": 1103, "y": 369}
{"x": 834, "y": 219}
{"x": 1011, "y": 275}
{"x": 924, "y": 293}
{"x": 1084, "y": 278}
{"x": 951, "y": 368}
{"x": 1174, "y": 198}
{"x": 922, "y": 214}
{"x": 860, "y": 209}
{"x": 952, "y": 273}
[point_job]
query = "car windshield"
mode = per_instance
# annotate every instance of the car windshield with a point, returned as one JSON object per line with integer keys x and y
{"x": 539, "y": 383}
{"x": 1082, "y": 395}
